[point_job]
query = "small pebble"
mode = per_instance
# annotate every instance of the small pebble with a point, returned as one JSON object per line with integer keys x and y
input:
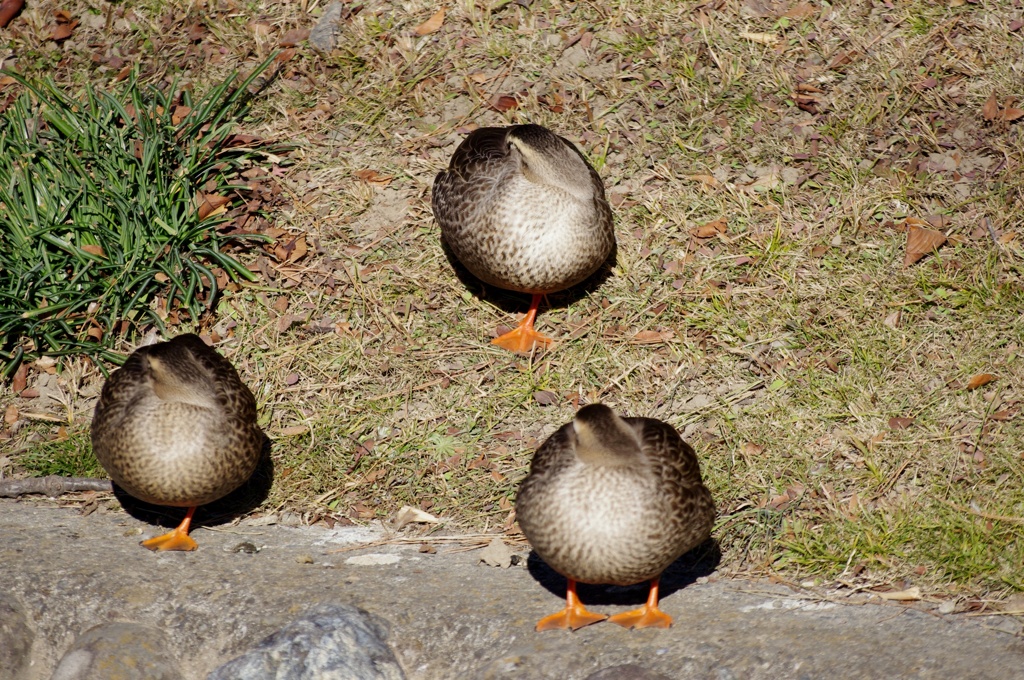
{"x": 304, "y": 559}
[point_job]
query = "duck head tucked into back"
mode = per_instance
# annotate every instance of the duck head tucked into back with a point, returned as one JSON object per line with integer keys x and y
{"x": 613, "y": 500}
{"x": 176, "y": 426}
{"x": 523, "y": 210}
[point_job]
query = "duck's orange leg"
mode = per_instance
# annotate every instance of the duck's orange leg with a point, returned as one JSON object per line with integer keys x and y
{"x": 523, "y": 338}
{"x": 574, "y": 616}
{"x": 648, "y": 616}
{"x": 174, "y": 540}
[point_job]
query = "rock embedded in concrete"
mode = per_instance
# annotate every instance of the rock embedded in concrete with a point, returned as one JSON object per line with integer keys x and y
{"x": 118, "y": 651}
{"x": 15, "y": 639}
{"x": 331, "y": 642}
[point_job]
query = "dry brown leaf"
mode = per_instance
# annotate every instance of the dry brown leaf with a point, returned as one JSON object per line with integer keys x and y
{"x": 545, "y": 397}
{"x": 1012, "y": 114}
{"x": 293, "y": 431}
{"x": 93, "y": 250}
{"x": 752, "y": 449}
{"x": 294, "y": 37}
{"x": 893, "y": 320}
{"x": 179, "y": 114}
{"x": 373, "y": 177}
{"x": 431, "y": 25}
{"x": 707, "y": 180}
{"x": 990, "y": 111}
{"x": 908, "y": 595}
{"x": 503, "y": 102}
{"x": 710, "y": 229}
{"x": 496, "y": 554}
{"x": 11, "y": 414}
{"x": 8, "y": 8}
{"x": 652, "y": 337}
{"x": 808, "y": 88}
{"x": 900, "y": 423}
{"x": 20, "y": 380}
{"x": 212, "y": 204}
{"x": 62, "y": 31}
{"x": 410, "y": 515}
{"x": 921, "y": 242}
{"x": 980, "y": 380}
{"x": 801, "y": 10}
{"x": 292, "y": 251}
{"x": 196, "y": 32}
{"x": 769, "y": 39}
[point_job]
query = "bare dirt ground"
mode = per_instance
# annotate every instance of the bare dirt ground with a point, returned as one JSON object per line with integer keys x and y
{"x": 855, "y": 408}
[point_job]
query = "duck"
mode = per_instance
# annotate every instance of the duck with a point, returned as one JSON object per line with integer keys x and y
{"x": 522, "y": 209}
{"x": 176, "y": 426}
{"x": 613, "y": 500}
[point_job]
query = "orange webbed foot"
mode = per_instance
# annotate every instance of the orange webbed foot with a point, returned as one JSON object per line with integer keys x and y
{"x": 648, "y": 616}
{"x": 573, "y": 617}
{"x": 174, "y": 540}
{"x": 645, "y": 617}
{"x": 524, "y": 338}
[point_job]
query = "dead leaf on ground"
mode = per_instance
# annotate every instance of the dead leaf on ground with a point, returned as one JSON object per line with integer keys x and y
{"x": 179, "y": 114}
{"x": 294, "y": 37}
{"x": 11, "y": 414}
{"x": 652, "y": 337}
{"x": 752, "y": 449}
{"x": 980, "y": 380}
{"x": 212, "y": 204}
{"x": 503, "y": 102}
{"x": 706, "y": 180}
{"x": 496, "y": 554}
{"x": 801, "y": 10}
{"x": 62, "y": 31}
{"x": 545, "y": 397}
{"x": 93, "y": 250}
{"x": 908, "y": 595}
{"x": 374, "y": 177}
{"x": 8, "y": 8}
{"x": 196, "y": 32}
{"x": 769, "y": 39}
{"x": 893, "y": 320}
{"x": 900, "y": 423}
{"x": 291, "y": 251}
{"x": 921, "y": 242}
{"x": 20, "y": 380}
{"x": 431, "y": 25}
{"x": 710, "y": 229}
{"x": 990, "y": 111}
{"x": 410, "y": 515}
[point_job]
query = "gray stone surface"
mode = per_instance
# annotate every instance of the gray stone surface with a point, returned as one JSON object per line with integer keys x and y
{"x": 324, "y": 36}
{"x": 450, "y": 616}
{"x": 332, "y": 642}
{"x": 118, "y": 651}
{"x": 15, "y": 639}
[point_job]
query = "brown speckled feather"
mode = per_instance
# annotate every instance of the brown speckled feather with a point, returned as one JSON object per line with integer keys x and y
{"x": 176, "y": 425}
{"x": 534, "y": 222}
{"x": 618, "y": 524}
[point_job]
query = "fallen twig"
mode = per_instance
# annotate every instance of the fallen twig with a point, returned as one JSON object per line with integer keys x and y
{"x": 52, "y": 485}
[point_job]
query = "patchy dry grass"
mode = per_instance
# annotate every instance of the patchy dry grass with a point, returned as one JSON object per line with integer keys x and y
{"x": 785, "y": 347}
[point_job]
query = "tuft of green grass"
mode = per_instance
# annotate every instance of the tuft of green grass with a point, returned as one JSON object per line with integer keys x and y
{"x": 68, "y": 457}
{"x": 100, "y": 212}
